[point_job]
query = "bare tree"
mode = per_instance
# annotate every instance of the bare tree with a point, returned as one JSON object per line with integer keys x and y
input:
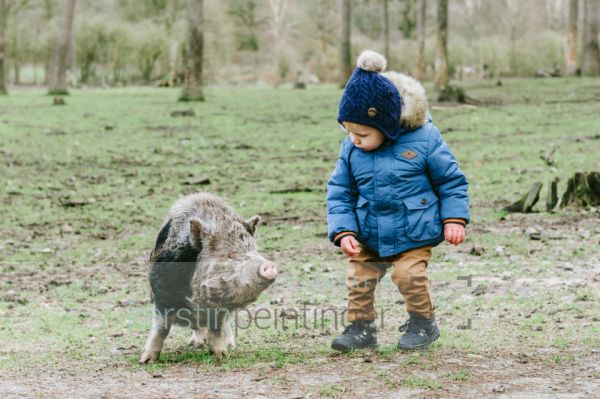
{"x": 571, "y": 48}
{"x": 514, "y": 19}
{"x": 17, "y": 43}
{"x": 194, "y": 54}
{"x": 407, "y": 24}
{"x": 345, "y": 51}
{"x": 278, "y": 30}
{"x": 49, "y": 11}
{"x": 441, "y": 50}
{"x": 247, "y": 24}
{"x": 58, "y": 78}
{"x": 386, "y": 30}
{"x": 590, "y": 64}
{"x": 2, "y": 48}
{"x": 555, "y": 13}
{"x": 420, "y": 65}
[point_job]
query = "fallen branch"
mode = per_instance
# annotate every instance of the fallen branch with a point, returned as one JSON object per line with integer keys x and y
{"x": 526, "y": 203}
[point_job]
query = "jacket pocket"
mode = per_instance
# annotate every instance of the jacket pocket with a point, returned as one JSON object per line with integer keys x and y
{"x": 422, "y": 216}
{"x": 362, "y": 211}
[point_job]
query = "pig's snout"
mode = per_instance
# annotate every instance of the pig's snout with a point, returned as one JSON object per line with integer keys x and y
{"x": 268, "y": 270}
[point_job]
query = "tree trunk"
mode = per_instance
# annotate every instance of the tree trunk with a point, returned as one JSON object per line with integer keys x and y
{"x": 194, "y": 54}
{"x": 17, "y": 72}
{"x": 48, "y": 15}
{"x": 345, "y": 51}
{"x": 571, "y": 48}
{"x": 58, "y": 78}
{"x": 441, "y": 51}
{"x": 386, "y": 31}
{"x": 72, "y": 58}
{"x": 408, "y": 18}
{"x": 590, "y": 64}
{"x": 3, "y": 18}
{"x": 420, "y": 67}
{"x": 35, "y": 75}
{"x": 278, "y": 30}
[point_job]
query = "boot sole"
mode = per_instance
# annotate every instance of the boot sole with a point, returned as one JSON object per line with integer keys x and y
{"x": 436, "y": 336}
{"x": 342, "y": 348}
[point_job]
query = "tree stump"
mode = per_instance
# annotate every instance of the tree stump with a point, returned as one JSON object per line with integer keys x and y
{"x": 583, "y": 190}
{"x": 552, "y": 197}
{"x": 526, "y": 203}
{"x": 452, "y": 94}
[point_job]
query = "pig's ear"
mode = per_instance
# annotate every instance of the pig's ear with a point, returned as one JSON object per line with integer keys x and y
{"x": 251, "y": 224}
{"x": 198, "y": 230}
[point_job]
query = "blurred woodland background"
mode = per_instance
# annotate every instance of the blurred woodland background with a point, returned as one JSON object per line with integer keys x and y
{"x": 124, "y": 42}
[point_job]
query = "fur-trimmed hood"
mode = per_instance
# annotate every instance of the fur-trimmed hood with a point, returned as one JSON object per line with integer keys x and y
{"x": 415, "y": 109}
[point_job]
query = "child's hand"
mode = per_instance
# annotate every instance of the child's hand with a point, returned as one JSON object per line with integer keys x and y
{"x": 349, "y": 246}
{"x": 454, "y": 233}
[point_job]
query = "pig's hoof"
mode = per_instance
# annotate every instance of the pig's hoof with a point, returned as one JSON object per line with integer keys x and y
{"x": 199, "y": 338}
{"x": 149, "y": 357}
{"x": 230, "y": 343}
{"x": 195, "y": 343}
{"x": 218, "y": 346}
{"x": 220, "y": 353}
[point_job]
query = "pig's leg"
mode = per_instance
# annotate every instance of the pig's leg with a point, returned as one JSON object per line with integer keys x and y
{"x": 199, "y": 337}
{"x": 217, "y": 332}
{"x": 217, "y": 342}
{"x": 161, "y": 324}
{"x": 229, "y": 333}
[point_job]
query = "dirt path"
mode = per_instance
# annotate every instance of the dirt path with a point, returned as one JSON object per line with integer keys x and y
{"x": 503, "y": 377}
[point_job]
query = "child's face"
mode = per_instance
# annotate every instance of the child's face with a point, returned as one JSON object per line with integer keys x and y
{"x": 364, "y": 137}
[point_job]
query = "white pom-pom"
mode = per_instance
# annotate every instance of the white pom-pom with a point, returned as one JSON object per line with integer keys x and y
{"x": 371, "y": 61}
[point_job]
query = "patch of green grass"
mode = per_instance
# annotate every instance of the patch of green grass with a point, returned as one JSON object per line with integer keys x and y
{"x": 421, "y": 382}
{"x": 331, "y": 391}
{"x": 274, "y": 356}
{"x": 413, "y": 359}
{"x": 461, "y": 375}
{"x": 561, "y": 342}
{"x": 387, "y": 351}
{"x": 560, "y": 358}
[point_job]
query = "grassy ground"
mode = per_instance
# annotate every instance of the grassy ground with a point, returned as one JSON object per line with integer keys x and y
{"x": 85, "y": 187}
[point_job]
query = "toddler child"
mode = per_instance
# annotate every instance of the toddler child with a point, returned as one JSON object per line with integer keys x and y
{"x": 396, "y": 192}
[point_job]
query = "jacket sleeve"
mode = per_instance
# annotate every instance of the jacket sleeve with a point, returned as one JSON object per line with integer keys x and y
{"x": 447, "y": 180}
{"x": 341, "y": 201}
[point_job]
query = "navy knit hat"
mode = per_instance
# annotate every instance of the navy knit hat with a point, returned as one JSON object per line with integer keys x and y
{"x": 371, "y": 99}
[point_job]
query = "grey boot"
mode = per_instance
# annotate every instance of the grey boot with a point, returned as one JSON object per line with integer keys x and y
{"x": 358, "y": 335}
{"x": 419, "y": 332}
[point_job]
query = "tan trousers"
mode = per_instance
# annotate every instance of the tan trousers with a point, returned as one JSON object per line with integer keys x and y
{"x": 366, "y": 269}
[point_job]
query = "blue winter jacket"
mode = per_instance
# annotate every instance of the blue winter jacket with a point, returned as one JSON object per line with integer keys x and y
{"x": 396, "y": 197}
